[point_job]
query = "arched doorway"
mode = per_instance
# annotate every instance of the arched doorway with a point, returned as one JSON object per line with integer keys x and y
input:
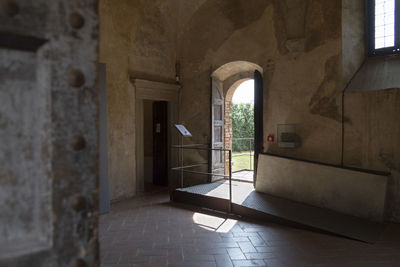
{"x": 239, "y": 129}
{"x": 224, "y": 82}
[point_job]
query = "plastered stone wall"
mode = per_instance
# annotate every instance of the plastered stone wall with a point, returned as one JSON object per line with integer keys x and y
{"x": 296, "y": 39}
{"x": 371, "y": 128}
{"x": 372, "y": 138}
{"x": 297, "y": 43}
{"x": 309, "y": 51}
{"x": 353, "y": 38}
{"x": 114, "y": 51}
{"x": 137, "y": 40}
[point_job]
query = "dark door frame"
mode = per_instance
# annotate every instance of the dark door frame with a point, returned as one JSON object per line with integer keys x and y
{"x": 258, "y": 119}
{"x": 156, "y": 91}
{"x": 160, "y": 142}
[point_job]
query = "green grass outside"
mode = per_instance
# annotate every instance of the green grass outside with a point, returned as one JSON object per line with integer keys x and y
{"x": 242, "y": 162}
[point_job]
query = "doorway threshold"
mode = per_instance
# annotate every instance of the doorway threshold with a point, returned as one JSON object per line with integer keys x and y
{"x": 246, "y": 176}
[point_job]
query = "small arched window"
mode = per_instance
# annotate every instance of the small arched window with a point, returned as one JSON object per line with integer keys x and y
{"x": 384, "y": 27}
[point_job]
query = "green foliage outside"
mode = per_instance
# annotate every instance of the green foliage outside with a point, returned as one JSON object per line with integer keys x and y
{"x": 242, "y": 126}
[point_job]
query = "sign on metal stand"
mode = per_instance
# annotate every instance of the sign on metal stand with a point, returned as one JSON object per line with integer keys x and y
{"x": 184, "y": 133}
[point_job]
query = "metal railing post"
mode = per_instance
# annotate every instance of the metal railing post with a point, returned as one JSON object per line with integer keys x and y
{"x": 251, "y": 150}
{"x": 250, "y": 154}
{"x": 182, "y": 169}
{"x": 181, "y": 161}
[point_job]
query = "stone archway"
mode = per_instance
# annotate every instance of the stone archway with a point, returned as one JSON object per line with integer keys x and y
{"x": 231, "y": 75}
{"x": 228, "y": 115}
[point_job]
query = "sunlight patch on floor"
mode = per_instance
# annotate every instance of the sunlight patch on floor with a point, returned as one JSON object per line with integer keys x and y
{"x": 240, "y": 191}
{"x": 213, "y": 223}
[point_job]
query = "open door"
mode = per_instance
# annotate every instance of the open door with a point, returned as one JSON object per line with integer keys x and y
{"x": 258, "y": 118}
{"x": 217, "y": 158}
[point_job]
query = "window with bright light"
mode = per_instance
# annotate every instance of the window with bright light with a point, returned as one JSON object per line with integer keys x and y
{"x": 384, "y": 27}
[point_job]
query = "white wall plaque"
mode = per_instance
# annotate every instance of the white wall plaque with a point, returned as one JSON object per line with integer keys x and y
{"x": 183, "y": 131}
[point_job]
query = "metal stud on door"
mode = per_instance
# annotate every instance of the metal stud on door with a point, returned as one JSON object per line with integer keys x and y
{"x": 48, "y": 133}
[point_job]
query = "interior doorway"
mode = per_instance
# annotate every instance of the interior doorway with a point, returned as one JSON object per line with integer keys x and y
{"x": 156, "y": 103}
{"x": 155, "y": 141}
{"x": 160, "y": 143}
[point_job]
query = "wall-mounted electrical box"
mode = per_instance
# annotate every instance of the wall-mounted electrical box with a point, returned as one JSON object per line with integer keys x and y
{"x": 287, "y": 136}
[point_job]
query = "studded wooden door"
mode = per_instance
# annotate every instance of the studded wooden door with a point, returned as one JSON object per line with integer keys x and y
{"x": 48, "y": 133}
{"x": 217, "y": 158}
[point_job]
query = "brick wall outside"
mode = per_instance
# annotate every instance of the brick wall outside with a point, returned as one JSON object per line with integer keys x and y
{"x": 228, "y": 132}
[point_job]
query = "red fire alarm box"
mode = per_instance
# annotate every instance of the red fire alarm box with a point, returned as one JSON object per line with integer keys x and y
{"x": 270, "y": 139}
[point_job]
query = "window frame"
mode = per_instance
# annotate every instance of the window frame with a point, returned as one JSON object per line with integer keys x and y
{"x": 393, "y": 50}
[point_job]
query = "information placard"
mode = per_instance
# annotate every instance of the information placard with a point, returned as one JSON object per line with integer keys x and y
{"x": 182, "y": 129}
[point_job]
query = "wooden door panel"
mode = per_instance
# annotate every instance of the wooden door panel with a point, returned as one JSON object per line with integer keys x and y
{"x": 217, "y": 158}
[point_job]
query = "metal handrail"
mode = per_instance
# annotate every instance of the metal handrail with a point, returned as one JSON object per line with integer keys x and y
{"x": 188, "y": 166}
{"x": 199, "y": 147}
{"x": 206, "y": 173}
{"x": 190, "y": 145}
{"x": 238, "y": 155}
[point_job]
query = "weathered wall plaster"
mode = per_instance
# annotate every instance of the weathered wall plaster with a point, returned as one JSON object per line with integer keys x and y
{"x": 371, "y": 106}
{"x": 137, "y": 39}
{"x": 301, "y": 66}
{"x": 323, "y": 186}
{"x": 353, "y": 37}
{"x": 207, "y": 34}
{"x": 309, "y": 51}
{"x": 115, "y": 40}
{"x": 372, "y": 139}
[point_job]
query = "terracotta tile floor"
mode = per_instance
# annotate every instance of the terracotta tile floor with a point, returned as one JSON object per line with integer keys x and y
{"x": 151, "y": 231}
